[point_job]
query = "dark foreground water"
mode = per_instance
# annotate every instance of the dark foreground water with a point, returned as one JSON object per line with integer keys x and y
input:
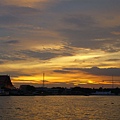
{"x": 59, "y": 107}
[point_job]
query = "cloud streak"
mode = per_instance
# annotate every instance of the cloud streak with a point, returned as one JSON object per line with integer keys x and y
{"x": 98, "y": 71}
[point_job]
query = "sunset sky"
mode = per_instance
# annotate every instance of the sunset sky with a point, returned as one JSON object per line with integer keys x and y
{"x": 74, "y": 42}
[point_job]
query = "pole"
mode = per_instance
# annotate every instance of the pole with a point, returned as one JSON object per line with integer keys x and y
{"x": 112, "y": 82}
{"x": 43, "y": 79}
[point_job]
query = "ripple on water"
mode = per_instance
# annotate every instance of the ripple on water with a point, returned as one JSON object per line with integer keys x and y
{"x": 60, "y": 108}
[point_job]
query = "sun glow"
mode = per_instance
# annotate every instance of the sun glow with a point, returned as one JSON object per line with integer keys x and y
{"x": 29, "y": 3}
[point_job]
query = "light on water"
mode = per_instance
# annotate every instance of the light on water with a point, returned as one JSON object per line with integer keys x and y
{"x": 59, "y": 107}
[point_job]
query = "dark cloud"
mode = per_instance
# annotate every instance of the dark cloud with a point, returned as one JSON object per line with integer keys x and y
{"x": 104, "y": 71}
{"x": 17, "y": 15}
{"x": 8, "y": 19}
{"x": 113, "y": 60}
{"x": 1, "y": 62}
{"x": 64, "y": 52}
{"x": 116, "y": 29}
{"x": 80, "y": 21}
{"x": 110, "y": 48}
{"x": 44, "y": 55}
{"x": 62, "y": 71}
{"x": 10, "y": 57}
{"x": 40, "y": 55}
{"x": 82, "y": 38}
{"x": 114, "y": 80}
{"x": 83, "y": 29}
{"x": 16, "y": 55}
{"x": 66, "y": 70}
{"x": 14, "y": 73}
{"x": 93, "y": 38}
{"x": 103, "y": 6}
{"x": 11, "y": 42}
{"x": 8, "y": 50}
{"x": 17, "y": 10}
{"x": 98, "y": 71}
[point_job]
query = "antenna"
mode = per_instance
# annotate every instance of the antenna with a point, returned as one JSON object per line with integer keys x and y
{"x": 43, "y": 79}
{"x": 112, "y": 82}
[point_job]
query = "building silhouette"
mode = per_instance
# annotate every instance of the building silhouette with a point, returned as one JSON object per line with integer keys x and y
{"x": 5, "y": 82}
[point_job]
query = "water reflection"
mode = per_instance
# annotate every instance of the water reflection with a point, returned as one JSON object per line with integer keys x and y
{"x": 59, "y": 108}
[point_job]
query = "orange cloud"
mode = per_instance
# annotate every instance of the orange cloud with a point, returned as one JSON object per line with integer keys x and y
{"x": 27, "y": 3}
{"x": 115, "y": 33}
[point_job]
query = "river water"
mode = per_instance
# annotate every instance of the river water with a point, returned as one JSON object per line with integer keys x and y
{"x": 59, "y": 107}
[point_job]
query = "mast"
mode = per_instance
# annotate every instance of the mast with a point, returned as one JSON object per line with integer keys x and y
{"x": 112, "y": 82}
{"x": 43, "y": 80}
